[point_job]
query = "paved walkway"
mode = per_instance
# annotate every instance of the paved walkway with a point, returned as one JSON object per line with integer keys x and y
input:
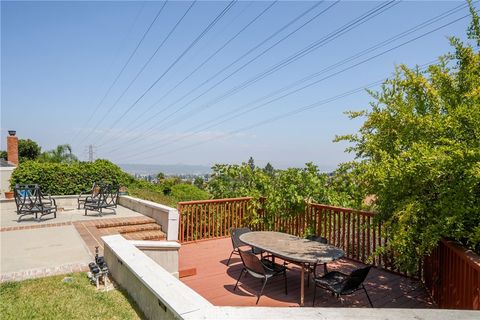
{"x": 31, "y": 249}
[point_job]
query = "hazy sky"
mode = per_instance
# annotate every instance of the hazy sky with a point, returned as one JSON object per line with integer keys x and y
{"x": 62, "y": 79}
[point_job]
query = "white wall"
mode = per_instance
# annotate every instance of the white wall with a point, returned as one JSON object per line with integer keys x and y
{"x": 5, "y": 174}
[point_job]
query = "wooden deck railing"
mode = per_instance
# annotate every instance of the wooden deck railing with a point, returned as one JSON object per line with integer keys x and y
{"x": 209, "y": 219}
{"x": 452, "y": 275}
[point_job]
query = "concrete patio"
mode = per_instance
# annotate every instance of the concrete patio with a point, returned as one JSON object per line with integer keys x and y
{"x": 32, "y": 248}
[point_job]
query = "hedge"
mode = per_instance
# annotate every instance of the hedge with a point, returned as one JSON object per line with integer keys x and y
{"x": 65, "y": 179}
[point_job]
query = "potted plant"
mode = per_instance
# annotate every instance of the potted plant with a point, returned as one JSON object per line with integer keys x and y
{"x": 8, "y": 194}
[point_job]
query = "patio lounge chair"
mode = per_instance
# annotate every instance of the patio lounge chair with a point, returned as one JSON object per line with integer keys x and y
{"x": 106, "y": 199}
{"x": 235, "y": 234}
{"x": 93, "y": 193}
{"x": 30, "y": 201}
{"x": 343, "y": 284}
{"x": 261, "y": 269}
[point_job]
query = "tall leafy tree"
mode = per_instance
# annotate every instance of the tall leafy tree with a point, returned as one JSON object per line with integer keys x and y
{"x": 61, "y": 154}
{"x": 419, "y": 152}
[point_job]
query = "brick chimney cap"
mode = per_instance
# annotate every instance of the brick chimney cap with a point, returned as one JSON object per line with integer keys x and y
{"x": 12, "y": 132}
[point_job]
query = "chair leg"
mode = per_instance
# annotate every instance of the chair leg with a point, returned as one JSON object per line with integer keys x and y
{"x": 236, "y": 284}
{"x": 261, "y": 291}
{"x": 368, "y": 297}
{"x": 228, "y": 262}
{"x": 314, "y": 295}
{"x": 285, "y": 278}
{"x": 308, "y": 278}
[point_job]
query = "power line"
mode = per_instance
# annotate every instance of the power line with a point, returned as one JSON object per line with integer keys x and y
{"x": 340, "y": 31}
{"x": 309, "y": 49}
{"x": 231, "y": 116}
{"x": 198, "y": 38}
{"x": 246, "y": 54}
{"x": 341, "y": 71}
{"x": 276, "y": 118}
{"x": 206, "y": 60}
{"x": 125, "y": 64}
{"x": 141, "y": 69}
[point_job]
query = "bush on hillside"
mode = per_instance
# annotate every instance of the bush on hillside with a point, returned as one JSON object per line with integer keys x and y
{"x": 188, "y": 192}
{"x": 73, "y": 178}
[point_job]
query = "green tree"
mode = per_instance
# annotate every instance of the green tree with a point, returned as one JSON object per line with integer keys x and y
{"x": 269, "y": 169}
{"x": 199, "y": 182}
{"x": 28, "y": 150}
{"x": 419, "y": 152}
{"x": 61, "y": 154}
{"x": 251, "y": 163}
{"x": 160, "y": 176}
{"x": 3, "y": 154}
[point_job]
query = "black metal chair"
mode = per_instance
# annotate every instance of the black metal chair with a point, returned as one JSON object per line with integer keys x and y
{"x": 343, "y": 284}
{"x": 235, "y": 234}
{"x": 313, "y": 268}
{"x": 261, "y": 269}
{"x": 92, "y": 193}
{"x": 106, "y": 199}
{"x": 30, "y": 201}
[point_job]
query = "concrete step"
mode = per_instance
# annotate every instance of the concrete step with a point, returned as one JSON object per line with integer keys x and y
{"x": 119, "y": 222}
{"x": 132, "y": 228}
{"x": 145, "y": 235}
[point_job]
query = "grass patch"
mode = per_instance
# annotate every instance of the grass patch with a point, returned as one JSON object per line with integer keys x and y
{"x": 51, "y": 298}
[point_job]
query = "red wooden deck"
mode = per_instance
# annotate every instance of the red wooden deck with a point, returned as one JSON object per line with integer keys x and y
{"x": 215, "y": 282}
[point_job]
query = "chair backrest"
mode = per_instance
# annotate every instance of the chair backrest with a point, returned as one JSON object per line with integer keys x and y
{"x": 235, "y": 234}
{"x": 251, "y": 262}
{"x": 314, "y": 237}
{"x": 355, "y": 279}
{"x": 27, "y": 196}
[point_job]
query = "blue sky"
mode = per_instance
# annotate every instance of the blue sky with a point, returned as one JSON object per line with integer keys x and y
{"x": 58, "y": 60}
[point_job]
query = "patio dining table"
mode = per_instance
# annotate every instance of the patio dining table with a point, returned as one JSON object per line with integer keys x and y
{"x": 291, "y": 248}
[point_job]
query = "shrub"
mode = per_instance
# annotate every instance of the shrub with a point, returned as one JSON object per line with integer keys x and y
{"x": 64, "y": 179}
{"x": 188, "y": 192}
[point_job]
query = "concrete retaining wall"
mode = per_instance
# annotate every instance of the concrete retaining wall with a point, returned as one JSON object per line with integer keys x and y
{"x": 165, "y": 216}
{"x": 164, "y": 253}
{"x": 159, "y": 294}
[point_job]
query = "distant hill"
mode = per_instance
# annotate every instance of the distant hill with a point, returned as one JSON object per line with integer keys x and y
{"x": 169, "y": 169}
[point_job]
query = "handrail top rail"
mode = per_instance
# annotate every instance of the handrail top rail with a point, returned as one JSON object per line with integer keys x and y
{"x": 466, "y": 254}
{"x": 183, "y": 203}
{"x": 319, "y": 205}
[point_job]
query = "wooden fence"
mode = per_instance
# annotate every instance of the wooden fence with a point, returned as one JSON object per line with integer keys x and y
{"x": 452, "y": 275}
{"x": 210, "y": 219}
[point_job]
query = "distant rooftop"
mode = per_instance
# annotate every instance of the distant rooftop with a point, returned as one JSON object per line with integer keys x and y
{"x": 5, "y": 163}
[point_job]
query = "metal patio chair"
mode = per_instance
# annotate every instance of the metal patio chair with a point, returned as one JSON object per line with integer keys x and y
{"x": 235, "y": 234}
{"x": 106, "y": 199}
{"x": 313, "y": 268}
{"x": 30, "y": 201}
{"x": 343, "y": 284}
{"x": 261, "y": 269}
{"x": 93, "y": 193}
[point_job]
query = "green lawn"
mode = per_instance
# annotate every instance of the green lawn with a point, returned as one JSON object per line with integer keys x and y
{"x": 51, "y": 298}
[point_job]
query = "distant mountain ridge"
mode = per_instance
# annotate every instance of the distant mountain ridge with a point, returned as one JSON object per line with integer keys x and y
{"x": 169, "y": 169}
